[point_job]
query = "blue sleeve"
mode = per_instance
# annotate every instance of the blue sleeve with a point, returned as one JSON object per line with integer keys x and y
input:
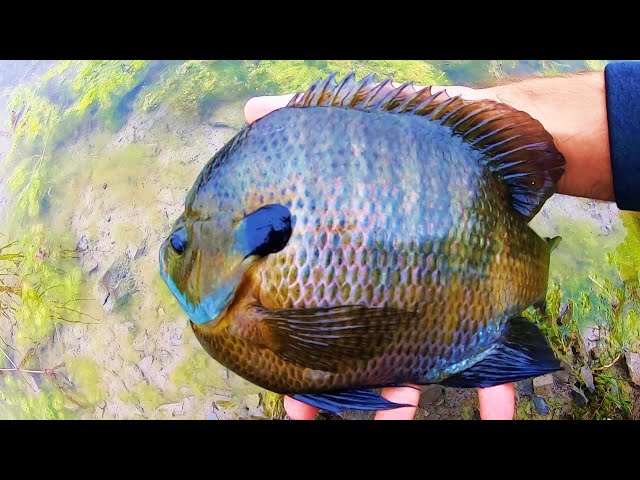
{"x": 622, "y": 85}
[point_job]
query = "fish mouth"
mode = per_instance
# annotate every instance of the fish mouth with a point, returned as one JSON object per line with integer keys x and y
{"x": 214, "y": 306}
{"x": 211, "y": 307}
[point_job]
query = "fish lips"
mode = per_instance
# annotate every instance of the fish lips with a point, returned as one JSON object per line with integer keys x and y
{"x": 212, "y": 307}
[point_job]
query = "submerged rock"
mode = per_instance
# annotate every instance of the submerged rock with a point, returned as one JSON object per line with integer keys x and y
{"x": 117, "y": 284}
{"x": 90, "y": 265}
{"x": 252, "y": 401}
{"x": 171, "y": 409}
{"x": 83, "y": 244}
{"x": 633, "y": 363}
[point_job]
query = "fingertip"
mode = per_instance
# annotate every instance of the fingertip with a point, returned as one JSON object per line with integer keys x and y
{"x": 298, "y": 410}
{"x": 497, "y": 403}
{"x": 251, "y": 109}
{"x": 258, "y": 107}
{"x": 409, "y": 395}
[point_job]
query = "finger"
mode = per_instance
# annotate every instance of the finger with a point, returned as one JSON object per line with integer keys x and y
{"x": 298, "y": 410}
{"x": 258, "y": 107}
{"x": 497, "y": 403}
{"x": 409, "y": 395}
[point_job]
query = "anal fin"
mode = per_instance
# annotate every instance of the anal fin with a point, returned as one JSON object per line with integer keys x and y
{"x": 339, "y": 401}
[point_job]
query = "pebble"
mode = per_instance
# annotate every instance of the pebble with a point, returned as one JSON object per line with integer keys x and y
{"x": 633, "y": 363}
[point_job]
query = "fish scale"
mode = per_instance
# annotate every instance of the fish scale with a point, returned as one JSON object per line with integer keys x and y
{"x": 405, "y": 257}
{"x": 377, "y": 283}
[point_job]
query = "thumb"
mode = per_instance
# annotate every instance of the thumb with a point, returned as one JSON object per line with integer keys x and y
{"x": 258, "y": 107}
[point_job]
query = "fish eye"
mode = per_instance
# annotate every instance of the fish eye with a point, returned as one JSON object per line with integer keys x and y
{"x": 178, "y": 241}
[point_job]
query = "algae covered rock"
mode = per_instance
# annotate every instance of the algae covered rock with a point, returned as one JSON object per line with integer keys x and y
{"x": 117, "y": 284}
{"x": 633, "y": 363}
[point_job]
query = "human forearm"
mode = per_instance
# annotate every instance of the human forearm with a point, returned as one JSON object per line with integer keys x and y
{"x": 573, "y": 110}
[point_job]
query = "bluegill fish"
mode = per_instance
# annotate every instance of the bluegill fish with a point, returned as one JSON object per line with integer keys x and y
{"x": 368, "y": 235}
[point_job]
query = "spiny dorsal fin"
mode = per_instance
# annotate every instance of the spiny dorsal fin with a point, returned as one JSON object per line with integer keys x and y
{"x": 516, "y": 148}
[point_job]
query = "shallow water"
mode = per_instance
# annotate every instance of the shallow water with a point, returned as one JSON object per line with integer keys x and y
{"x": 97, "y": 158}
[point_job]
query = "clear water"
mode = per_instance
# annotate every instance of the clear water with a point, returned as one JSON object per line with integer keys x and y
{"x": 96, "y": 159}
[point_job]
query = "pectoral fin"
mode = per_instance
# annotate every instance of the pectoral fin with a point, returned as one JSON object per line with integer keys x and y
{"x": 330, "y": 338}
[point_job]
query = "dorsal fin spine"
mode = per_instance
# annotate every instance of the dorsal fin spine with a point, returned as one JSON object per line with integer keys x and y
{"x": 468, "y": 133}
{"x": 470, "y": 115}
{"x": 488, "y": 149}
{"x": 515, "y": 148}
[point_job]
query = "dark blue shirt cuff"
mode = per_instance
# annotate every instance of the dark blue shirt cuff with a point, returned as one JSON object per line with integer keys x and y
{"x": 622, "y": 85}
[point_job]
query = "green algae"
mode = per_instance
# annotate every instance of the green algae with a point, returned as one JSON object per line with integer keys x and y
{"x": 626, "y": 256}
{"x": 85, "y": 375}
{"x": 49, "y": 404}
{"x": 273, "y": 405}
{"x": 51, "y": 287}
{"x": 191, "y": 86}
{"x": 197, "y": 373}
{"x": 287, "y": 76}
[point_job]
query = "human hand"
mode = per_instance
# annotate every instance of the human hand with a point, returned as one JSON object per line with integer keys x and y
{"x": 572, "y": 109}
{"x": 496, "y": 403}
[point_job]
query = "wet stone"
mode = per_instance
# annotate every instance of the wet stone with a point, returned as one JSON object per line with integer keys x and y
{"x": 356, "y": 415}
{"x": 564, "y": 375}
{"x": 587, "y": 377}
{"x": 220, "y": 395}
{"x": 78, "y": 331}
{"x": 431, "y": 395}
{"x": 83, "y": 244}
{"x": 117, "y": 284}
{"x": 590, "y": 337}
{"x": 541, "y": 406}
{"x": 171, "y": 409}
{"x": 134, "y": 252}
{"x": 543, "y": 385}
{"x": 189, "y": 404}
{"x": 141, "y": 250}
{"x": 252, "y": 401}
{"x": 578, "y": 397}
{"x": 145, "y": 363}
{"x": 141, "y": 342}
{"x": 525, "y": 387}
{"x": 90, "y": 265}
{"x": 176, "y": 338}
{"x": 633, "y": 364}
